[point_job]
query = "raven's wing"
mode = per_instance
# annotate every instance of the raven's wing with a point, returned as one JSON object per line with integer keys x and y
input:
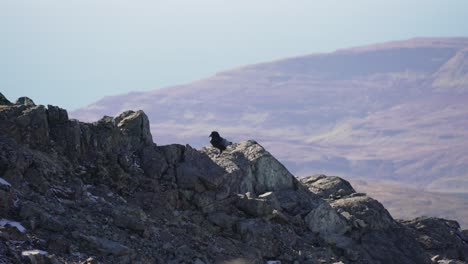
{"x": 226, "y": 143}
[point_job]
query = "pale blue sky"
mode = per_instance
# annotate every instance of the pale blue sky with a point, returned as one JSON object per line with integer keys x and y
{"x": 73, "y": 52}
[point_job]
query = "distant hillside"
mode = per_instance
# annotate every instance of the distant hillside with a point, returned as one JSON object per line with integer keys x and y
{"x": 394, "y": 111}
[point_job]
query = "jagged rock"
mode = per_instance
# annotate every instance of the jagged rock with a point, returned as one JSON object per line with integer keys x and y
{"x": 4, "y": 100}
{"x": 297, "y": 202}
{"x": 56, "y": 115}
{"x": 135, "y": 125}
{"x": 173, "y": 153}
{"x": 327, "y": 222}
{"x": 364, "y": 212}
{"x": 153, "y": 162}
{"x": 465, "y": 235}
{"x": 328, "y": 186}
{"x": 394, "y": 245}
{"x": 33, "y": 126}
{"x": 440, "y": 237}
{"x": 13, "y": 162}
{"x": 252, "y": 169}
{"x": 262, "y": 205}
{"x": 198, "y": 172}
{"x": 25, "y": 101}
{"x": 208, "y": 203}
{"x": 106, "y": 190}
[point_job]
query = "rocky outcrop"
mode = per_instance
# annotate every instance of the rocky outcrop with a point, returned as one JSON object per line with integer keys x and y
{"x": 4, "y": 100}
{"x": 25, "y": 101}
{"x": 104, "y": 192}
{"x": 380, "y": 237}
{"x": 252, "y": 169}
{"x": 328, "y": 187}
{"x": 441, "y": 237}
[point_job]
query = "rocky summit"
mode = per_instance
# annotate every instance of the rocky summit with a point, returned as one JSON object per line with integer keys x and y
{"x": 104, "y": 192}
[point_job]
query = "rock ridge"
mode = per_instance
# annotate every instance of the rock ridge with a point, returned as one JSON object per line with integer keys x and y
{"x": 104, "y": 192}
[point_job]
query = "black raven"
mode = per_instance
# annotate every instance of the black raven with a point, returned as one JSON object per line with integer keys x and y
{"x": 218, "y": 142}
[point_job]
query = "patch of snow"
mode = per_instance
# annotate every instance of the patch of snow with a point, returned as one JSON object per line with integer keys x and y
{"x": 18, "y": 225}
{"x": 273, "y": 262}
{"x": 33, "y": 252}
{"x": 4, "y": 182}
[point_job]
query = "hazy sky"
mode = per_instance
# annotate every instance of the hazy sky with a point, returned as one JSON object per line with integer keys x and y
{"x": 73, "y": 52}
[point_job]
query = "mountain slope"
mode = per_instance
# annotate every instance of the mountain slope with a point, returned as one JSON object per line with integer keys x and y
{"x": 394, "y": 111}
{"x": 103, "y": 192}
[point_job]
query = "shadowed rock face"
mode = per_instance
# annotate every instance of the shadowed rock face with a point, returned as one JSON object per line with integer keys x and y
{"x": 433, "y": 234}
{"x": 4, "y": 100}
{"x": 105, "y": 192}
